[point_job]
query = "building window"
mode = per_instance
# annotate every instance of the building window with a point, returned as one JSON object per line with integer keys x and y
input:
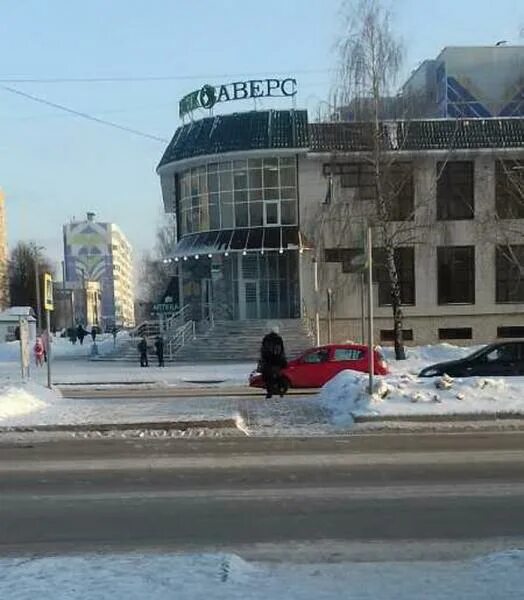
{"x": 509, "y": 273}
{"x": 515, "y": 331}
{"x": 455, "y": 190}
{"x": 455, "y": 333}
{"x": 352, "y": 259}
{"x": 405, "y": 264}
{"x": 456, "y": 274}
{"x": 509, "y": 189}
{"x": 388, "y": 335}
{"x": 400, "y": 191}
{"x": 359, "y": 177}
{"x": 240, "y": 193}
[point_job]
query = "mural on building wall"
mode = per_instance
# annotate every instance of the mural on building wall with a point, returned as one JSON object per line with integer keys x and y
{"x": 87, "y": 250}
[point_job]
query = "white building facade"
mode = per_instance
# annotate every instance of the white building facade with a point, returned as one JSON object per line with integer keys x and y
{"x": 100, "y": 252}
{"x": 261, "y": 197}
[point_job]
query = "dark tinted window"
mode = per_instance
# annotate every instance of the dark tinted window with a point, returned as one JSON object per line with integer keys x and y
{"x": 318, "y": 356}
{"x": 400, "y": 191}
{"x": 352, "y": 259}
{"x": 509, "y": 272}
{"x": 456, "y": 274}
{"x": 514, "y": 331}
{"x": 405, "y": 264}
{"x": 388, "y": 335}
{"x": 357, "y": 176}
{"x": 506, "y": 352}
{"x": 455, "y": 190}
{"x": 509, "y": 189}
{"x": 347, "y": 354}
{"x": 455, "y": 333}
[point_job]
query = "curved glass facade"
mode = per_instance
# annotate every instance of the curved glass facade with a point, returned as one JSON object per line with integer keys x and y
{"x": 255, "y": 192}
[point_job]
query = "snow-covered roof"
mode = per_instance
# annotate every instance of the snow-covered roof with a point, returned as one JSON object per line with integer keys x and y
{"x": 14, "y": 312}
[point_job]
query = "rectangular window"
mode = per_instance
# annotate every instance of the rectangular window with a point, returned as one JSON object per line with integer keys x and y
{"x": 388, "y": 335}
{"x": 357, "y": 176}
{"x": 456, "y": 274}
{"x": 510, "y": 332}
{"x": 455, "y": 333}
{"x": 509, "y": 273}
{"x": 347, "y": 354}
{"x": 352, "y": 259}
{"x": 455, "y": 190}
{"x": 509, "y": 189}
{"x": 400, "y": 190}
{"x": 405, "y": 264}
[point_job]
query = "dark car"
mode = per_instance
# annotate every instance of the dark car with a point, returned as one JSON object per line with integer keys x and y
{"x": 500, "y": 359}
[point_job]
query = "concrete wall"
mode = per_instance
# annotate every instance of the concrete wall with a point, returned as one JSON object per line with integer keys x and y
{"x": 338, "y": 225}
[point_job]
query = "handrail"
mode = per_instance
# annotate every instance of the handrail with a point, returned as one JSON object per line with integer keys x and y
{"x": 179, "y": 339}
{"x": 154, "y": 327}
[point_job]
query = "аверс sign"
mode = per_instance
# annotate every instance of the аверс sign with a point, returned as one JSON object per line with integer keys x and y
{"x": 208, "y": 95}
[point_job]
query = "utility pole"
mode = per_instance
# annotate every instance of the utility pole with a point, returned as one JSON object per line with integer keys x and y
{"x": 36, "y": 250}
{"x": 317, "y": 315}
{"x": 371, "y": 357}
{"x": 362, "y": 307}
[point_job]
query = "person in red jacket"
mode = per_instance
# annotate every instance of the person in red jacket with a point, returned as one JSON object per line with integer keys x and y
{"x": 39, "y": 352}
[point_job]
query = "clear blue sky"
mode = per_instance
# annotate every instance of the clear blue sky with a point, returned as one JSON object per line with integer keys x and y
{"x": 54, "y": 166}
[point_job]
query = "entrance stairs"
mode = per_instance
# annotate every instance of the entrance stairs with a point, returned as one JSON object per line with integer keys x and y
{"x": 240, "y": 341}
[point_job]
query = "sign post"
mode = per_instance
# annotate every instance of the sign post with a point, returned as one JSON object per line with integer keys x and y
{"x": 49, "y": 306}
{"x": 25, "y": 352}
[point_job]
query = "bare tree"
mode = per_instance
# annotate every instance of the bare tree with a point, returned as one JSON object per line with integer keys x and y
{"x": 22, "y": 273}
{"x": 371, "y": 58}
{"x": 156, "y": 270}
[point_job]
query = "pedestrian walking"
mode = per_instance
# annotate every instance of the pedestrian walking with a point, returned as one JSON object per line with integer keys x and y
{"x": 80, "y": 334}
{"x": 272, "y": 361}
{"x": 38, "y": 351}
{"x": 159, "y": 347}
{"x": 114, "y": 331}
{"x": 93, "y": 333}
{"x": 142, "y": 348}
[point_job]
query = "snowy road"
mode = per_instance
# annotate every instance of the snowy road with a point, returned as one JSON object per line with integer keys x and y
{"x": 126, "y": 495}
{"x": 388, "y": 516}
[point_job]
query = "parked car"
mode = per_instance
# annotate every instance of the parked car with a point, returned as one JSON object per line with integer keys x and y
{"x": 499, "y": 359}
{"x": 314, "y": 368}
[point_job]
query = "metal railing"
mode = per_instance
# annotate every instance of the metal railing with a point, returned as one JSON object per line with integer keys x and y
{"x": 154, "y": 327}
{"x": 179, "y": 339}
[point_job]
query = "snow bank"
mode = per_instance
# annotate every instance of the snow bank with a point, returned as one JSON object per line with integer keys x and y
{"x": 24, "y": 398}
{"x": 346, "y": 396}
{"x": 226, "y": 576}
{"x": 418, "y": 357}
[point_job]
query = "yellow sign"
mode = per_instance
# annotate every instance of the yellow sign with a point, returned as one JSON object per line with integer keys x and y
{"x": 48, "y": 292}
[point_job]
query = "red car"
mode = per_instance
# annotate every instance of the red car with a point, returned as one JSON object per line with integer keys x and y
{"x": 318, "y": 365}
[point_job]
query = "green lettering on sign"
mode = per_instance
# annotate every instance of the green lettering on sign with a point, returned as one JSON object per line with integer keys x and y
{"x": 207, "y": 96}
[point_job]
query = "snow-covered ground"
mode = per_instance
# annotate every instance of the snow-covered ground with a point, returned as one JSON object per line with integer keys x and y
{"x": 62, "y": 348}
{"x": 92, "y": 372}
{"x": 191, "y": 576}
{"x": 332, "y": 410}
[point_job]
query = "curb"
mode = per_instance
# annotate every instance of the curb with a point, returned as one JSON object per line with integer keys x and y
{"x": 155, "y": 425}
{"x": 453, "y": 418}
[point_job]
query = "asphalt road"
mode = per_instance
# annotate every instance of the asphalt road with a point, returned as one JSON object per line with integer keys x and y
{"x": 71, "y": 496}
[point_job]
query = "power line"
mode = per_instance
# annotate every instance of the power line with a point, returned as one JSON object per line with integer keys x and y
{"x": 83, "y": 115}
{"x": 132, "y": 79}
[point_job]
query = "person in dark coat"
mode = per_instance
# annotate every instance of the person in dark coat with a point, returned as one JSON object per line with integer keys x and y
{"x": 142, "y": 348}
{"x": 272, "y": 361}
{"x": 93, "y": 333}
{"x": 80, "y": 334}
{"x": 159, "y": 347}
